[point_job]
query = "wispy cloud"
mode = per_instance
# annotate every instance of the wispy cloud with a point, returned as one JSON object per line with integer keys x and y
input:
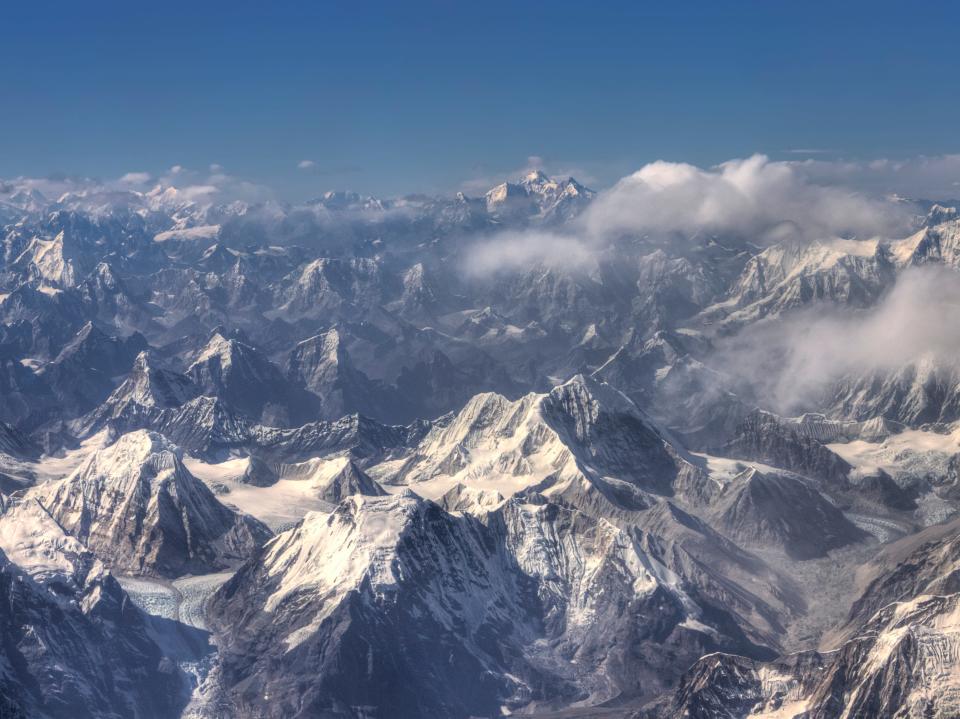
{"x": 136, "y": 178}
{"x": 789, "y": 363}
{"x": 513, "y": 251}
{"x": 306, "y": 164}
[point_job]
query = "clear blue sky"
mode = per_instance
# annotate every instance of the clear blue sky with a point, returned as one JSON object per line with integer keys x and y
{"x": 404, "y": 96}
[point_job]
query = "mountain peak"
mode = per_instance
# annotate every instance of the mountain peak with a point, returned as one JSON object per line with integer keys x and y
{"x": 535, "y": 176}
{"x": 138, "y": 509}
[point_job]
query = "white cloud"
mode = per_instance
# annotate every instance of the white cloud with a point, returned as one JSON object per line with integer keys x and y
{"x": 136, "y": 178}
{"x": 213, "y": 186}
{"x": 513, "y": 251}
{"x": 751, "y": 197}
{"x": 306, "y": 164}
{"x": 198, "y": 193}
{"x": 789, "y": 362}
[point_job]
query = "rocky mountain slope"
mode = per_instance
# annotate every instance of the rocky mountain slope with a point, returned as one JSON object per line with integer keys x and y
{"x": 140, "y": 511}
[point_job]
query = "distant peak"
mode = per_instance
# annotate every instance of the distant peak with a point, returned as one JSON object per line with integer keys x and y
{"x": 536, "y": 176}
{"x": 940, "y": 213}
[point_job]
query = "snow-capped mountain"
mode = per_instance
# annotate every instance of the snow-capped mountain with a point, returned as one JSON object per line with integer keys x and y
{"x": 515, "y": 462}
{"x": 140, "y": 511}
{"x": 538, "y": 195}
{"x": 534, "y": 598}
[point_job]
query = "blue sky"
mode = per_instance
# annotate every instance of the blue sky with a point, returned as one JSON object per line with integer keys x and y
{"x": 395, "y": 97}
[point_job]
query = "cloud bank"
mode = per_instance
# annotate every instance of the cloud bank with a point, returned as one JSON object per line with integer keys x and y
{"x": 755, "y": 199}
{"x": 790, "y": 361}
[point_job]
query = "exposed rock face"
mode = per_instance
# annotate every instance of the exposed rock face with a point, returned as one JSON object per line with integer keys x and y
{"x": 880, "y": 487}
{"x": 326, "y": 582}
{"x": 795, "y": 274}
{"x": 779, "y": 511}
{"x": 147, "y": 389}
{"x": 604, "y": 498}
{"x": 922, "y": 391}
{"x": 611, "y": 434}
{"x": 82, "y": 375}
{"x": 207, "y": 427}
{"x": 17, "y": 444}
{"x": 248, "y": 382}
{"x": 322, "y": 366}
{"x": 762, "y": 437}
{"x": 392, "y": 600}
{"x": 331, "y": 287}
{"x": 897, "y": 656}
{"x": 259, "y": 473}
{"x": 136, "y": 507}
{"x": 901, "y": 664}
{"x": 928, "y": 563}
{"x": 537, "y": 195}
{"x": 333, "y": 479}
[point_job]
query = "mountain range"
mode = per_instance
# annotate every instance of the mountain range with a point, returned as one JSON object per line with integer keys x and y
{"x": 458, "y": 457}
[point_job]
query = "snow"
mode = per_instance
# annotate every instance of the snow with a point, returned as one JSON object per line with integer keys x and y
{"x": 911, "y": 453}
{"x": 903, "y": 250}
{"x": 723, "y": 470}
{"x": 218, "y": 346}
{"x": 884, "y": 530}
{"x": 859, "y": 248}
{"x": 317, "y": 472}
{"x": 787, "y": 710}
{"x": 58, "y": 467}
{"x": 181, "y": 600}
{"x": 158, "y": 599}
{"x": 277, "y": 506}
{"x": 698, "y": 626}
{"x": 32, "y": 540}
{"x": 331, "y": 553}
{"x": 492, "y": 443}
{"x": 194, "y": 592}
{"x": 201, "y": 232}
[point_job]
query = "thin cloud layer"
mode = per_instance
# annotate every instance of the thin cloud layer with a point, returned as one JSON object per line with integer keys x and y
{"x": 928, "y": 177}
{"x": 214, "y": 186}
{"x": 791, "y": 361}
{"x": 518, "y": 251}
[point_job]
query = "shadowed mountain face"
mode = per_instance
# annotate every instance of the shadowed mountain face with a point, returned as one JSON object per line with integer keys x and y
{"x": 472, "y": 456}
{"x": 896, "y": 657}
{"x": 73, "y": 645}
